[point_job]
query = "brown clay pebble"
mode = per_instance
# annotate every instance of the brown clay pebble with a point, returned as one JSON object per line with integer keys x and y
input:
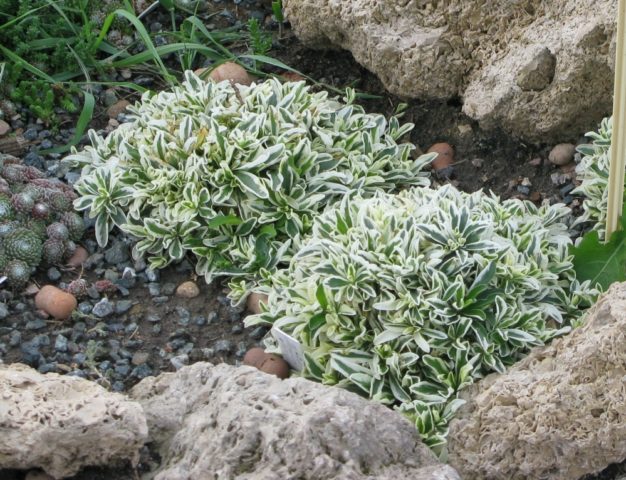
{"x": 231, "y": 71}
{"x": 254, "y": 357}
{"x": 4, "y": 128}
{"x": 78, "y": 258}
{"x": 118, "y": 107}
{"x": 56, "y": 302}
{"x": 562, "y": 154}
{"x": 292, "y": 77}
{"x": 445, "y": 157}
{"x": 187, "y": 290}
{"x": 254, "y": 302}
{"x": 275, "y": 365}
{"x": 535, "y": 196}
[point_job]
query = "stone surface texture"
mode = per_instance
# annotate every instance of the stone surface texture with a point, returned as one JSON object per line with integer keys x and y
{"x": 61, "y": 424}
{"x": 558, "y": 414}
{"x": 541, "y": 70}
{"x": 226, "y": 422}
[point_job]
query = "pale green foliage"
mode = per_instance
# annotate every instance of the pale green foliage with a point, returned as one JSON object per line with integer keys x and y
{"x": 235, "y": 175}
{"x": 409, "y": 298}
{"x": 593, "y": 170}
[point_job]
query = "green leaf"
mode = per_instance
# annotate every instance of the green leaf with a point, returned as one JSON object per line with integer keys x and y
{"x": 602, "y": 263}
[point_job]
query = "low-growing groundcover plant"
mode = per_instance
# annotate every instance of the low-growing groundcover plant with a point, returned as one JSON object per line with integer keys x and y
{"x": 593, "y": 171}
{"x": 596, "y": 258}
{"x": 408, "y": 298}
{"x": 235, "y": 175}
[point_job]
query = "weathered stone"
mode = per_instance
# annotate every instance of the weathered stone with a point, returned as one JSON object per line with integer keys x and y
{"x": 556, "y": 415}
{"x": 541, "y": 70}
{"x": 62, "y": 423}
{"x": 188, "y": 289}
{"x": 240, "y": 423}
{"x": 562, "y": 154}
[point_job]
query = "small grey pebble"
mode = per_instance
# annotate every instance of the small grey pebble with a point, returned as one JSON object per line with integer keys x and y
{"x": 85, "y": 307}
{"x": 160, "y": 300}
{"x": 30, "y": 134}
{"x": 111, "y": 275}
{"x": 258, "y": 333}
{"x": 153, "y": 317}
{"x": 123, "y": 306}
{"x": 152, "y": 275}
{"x": 156, "y": 329}
{"x": 35, "y": 324}
{"x": 105, "y": 365}
{"x": 168, "y": 288}
{"x": 130, "y": 328}
{"x": 80, "y": 358}
{"x": 47, "y": 367}
{"x": 242, "y": 348}
{"x": 103, "y": 308}
{"x": 237, "y": 329}
{"x": 4, "y": 311}
{"x": 141, "y": 371}
{"x": 15, "y": 338}
{"x": 60, "y": 344}
{"x": 199, "y": 320}
{"x": 117, "y": 386}
{"x": 72, "y": 177}
{"x": 211, "y": 317}
{"x": 179, "y": 361}
{"x": 223, "y": 347}
{"x": 30, "y": 352}
{"x": 154, "y": 289}
{"x": 118, "y": 253}
{"x": 20, "y": 307}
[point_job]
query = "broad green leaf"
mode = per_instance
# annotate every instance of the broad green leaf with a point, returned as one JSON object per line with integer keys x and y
{"x": 602, "y": 263}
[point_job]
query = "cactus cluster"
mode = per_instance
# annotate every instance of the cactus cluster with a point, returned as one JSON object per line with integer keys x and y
{"x": 37, "y": 222}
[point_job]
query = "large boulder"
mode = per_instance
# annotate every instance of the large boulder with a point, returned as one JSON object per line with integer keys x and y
{"x": 61, "y": 424}
{"x": 558, "y": 414}
{"x": 542, "y": 70}
{"x": 225, "y": 422}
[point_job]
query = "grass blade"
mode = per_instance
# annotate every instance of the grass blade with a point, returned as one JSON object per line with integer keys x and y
{"x": 81, "y": 125}
{"x": 27, "y": 66}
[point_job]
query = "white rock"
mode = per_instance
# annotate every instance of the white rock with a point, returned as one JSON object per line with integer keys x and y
{"x": 61, "y": 424}
{"x": 226, "y": 422}
{"x": 541, "y": 70}
{"x": 556, "y": 415}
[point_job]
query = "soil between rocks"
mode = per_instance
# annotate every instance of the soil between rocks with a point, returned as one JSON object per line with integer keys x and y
{"x": 131, "y": 344}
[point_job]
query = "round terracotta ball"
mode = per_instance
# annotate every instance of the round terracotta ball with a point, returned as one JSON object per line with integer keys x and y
{"x": 445, "y": 156}
{"x": 231, "y": 71}
{"x": 253, "y": 303}
{"x": 79, "y": 257}
{"x": 55, "y": 302}
{"x": 254, "y": 357}
{"x": 275, "y": 365}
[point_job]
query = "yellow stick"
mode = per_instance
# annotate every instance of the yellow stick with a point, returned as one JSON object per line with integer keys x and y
{"x": 618, "y": 144}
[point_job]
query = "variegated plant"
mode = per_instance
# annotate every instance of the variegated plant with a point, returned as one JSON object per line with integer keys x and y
{"x": 235, "y": 175}
{"x": 593, "y": 171}
{"x": 408, "y": 298}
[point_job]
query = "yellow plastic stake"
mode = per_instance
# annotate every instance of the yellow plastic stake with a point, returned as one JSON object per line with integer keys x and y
{"x": 618, "y": 144}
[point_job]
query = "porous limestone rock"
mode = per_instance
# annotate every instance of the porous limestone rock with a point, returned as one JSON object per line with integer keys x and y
{"x": 226, "y": 422}
{"x": 541, "y": 70}
{"x": 559, "y": 414}
{"x": 61, "y": 423}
